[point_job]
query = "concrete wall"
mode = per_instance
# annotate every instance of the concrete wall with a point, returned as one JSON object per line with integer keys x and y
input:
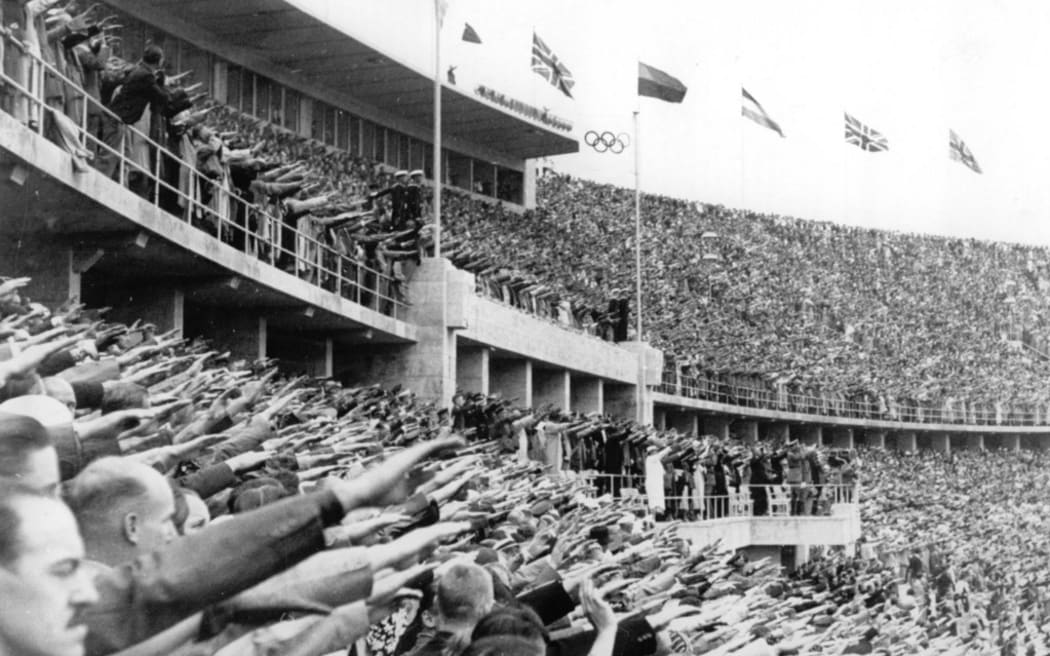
{"x": 739, "y": 532}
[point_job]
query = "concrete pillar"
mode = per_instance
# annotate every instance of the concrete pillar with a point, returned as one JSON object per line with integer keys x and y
{"x": 776, "y": 432}
{"x": 512, "y": 379}
{"x": 586, "y": 395}
{"x": 808, "y": 434}
{"x": 687, "y": 423}
{"x": 907, "y": 441}
{"x": 716, "y": 425}
{"x": 621, "y": 401}
{"x": 329, "y": 357}
{"x": 660, "y": 418}
{"x": 842, "y": 438}
{"x": 552, "y": 386}
{"x": 746, "y": 431}
{"x": 428, "y": 367}
{"x": 472, "y": 369}
{"x": 941, "y": 442}
{"x": 975, "y": 441}
{"x": 875, "y": 439}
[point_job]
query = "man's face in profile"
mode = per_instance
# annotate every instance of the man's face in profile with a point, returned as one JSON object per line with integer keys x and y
{"x": 45, "y": 587}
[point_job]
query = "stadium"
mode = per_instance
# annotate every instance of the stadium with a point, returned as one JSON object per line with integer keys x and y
{"x": 317, "y": 342}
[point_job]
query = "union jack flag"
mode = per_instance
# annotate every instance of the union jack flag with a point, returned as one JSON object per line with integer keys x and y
{"x": 547, "y": 65}
{"x": 958, "y": 151}
{"x": 864, "y": 137}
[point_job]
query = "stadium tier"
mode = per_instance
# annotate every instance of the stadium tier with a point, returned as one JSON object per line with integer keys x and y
{"x": 248, "y": 404}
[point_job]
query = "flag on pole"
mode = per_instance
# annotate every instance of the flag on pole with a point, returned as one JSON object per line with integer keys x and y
{"x": 958, "y": 151}
{"x": 547, "y": 65}
{"x": 654, "y": 83}
{"x": 469, "y": 34}
{"x": 753, "y": 110}
{"x": 864, "y": 137}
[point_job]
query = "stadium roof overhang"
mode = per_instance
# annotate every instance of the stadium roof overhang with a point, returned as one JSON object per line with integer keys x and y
{"x": 290, "y": 38}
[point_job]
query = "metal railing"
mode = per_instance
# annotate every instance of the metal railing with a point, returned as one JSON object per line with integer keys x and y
{"x": 783, "y": 400}
{"x": 782, "y": 500}
{"x": 227, "y": 217}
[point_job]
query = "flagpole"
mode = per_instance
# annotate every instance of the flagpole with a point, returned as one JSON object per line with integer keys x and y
{"x": 437, "y": 128}
{"x": 637, "y": 234}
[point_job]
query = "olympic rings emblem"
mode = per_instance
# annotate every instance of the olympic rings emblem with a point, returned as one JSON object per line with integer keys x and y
{"x": 607, "y": 141}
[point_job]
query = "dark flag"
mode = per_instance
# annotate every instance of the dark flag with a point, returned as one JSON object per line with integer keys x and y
{"x": 547, "y": 65}
{"x": 958, "y": 151}
{"x": 469, "y": 34}
{"x": 864, "y": 137}
{"x": 654, "y": 83}
{"x": 754, "y": 111}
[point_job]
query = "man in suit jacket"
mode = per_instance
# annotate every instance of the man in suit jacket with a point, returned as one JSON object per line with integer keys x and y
{"x": 141, "y": 87}
{"x": 398, "y": 193}
{"x": 151, "y": 593}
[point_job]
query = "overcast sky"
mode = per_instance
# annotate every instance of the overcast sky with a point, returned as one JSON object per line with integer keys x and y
{"x": 911, "y": 69}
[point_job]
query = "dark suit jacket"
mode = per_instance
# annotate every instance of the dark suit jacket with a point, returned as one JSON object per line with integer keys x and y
{"x": 398, "y": 196}
{"x": 139, "y": 89}
{"x": 141, "y": 598}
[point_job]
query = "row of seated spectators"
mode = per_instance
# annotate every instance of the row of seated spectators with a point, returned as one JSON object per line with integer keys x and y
{"x": 157, "y": 497}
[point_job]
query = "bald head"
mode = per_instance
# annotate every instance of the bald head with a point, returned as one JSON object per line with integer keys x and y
{"x": 124, "y": 509}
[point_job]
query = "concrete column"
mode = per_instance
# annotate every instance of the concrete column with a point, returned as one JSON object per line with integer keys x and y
{"x": 975, "y": 441}
{"x": 472, "y": 368}
{"x": 621, "y": 401}
{"x": 875, "y": 438}
{"x": 716, "y": 425}
{"x": 512, "y": 379}
{"x": 586, "y": 394}
{"x": 941, "y": 442}
{"x": 808, "y": 434}
{"x": 659, "y": 419}
{"x": 329, "y": 357}
{"x": 428, "y": 367}
{"x": 842, "y": 438}
{"x": 687, "y": 423}
{"x": 776, "y": 432}
{"x": 552, "y": 386}
{"x": 746, "y": 431}
{"x": 907, "y": 441}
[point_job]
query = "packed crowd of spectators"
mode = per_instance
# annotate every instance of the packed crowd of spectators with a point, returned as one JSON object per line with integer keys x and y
{"x": 776, "y": 310}
{"x": 157, "y": 497}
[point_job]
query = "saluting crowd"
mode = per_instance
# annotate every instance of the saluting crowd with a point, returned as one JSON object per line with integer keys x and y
{"x": 159, "y": 497}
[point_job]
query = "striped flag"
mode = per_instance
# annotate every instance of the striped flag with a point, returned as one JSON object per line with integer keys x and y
{"x": 654, "y": 83}
{"x": 753, "y": 110}
{"x": 547, "y": 65}
{"x": 864, "y": 137}
{"x": 958, "y": 151}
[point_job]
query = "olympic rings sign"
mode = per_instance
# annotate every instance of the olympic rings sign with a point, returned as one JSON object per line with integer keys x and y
{"x": 606, "y": 141}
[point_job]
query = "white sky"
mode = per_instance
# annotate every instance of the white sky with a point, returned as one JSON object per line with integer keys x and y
{"x": 908, "y": 68}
